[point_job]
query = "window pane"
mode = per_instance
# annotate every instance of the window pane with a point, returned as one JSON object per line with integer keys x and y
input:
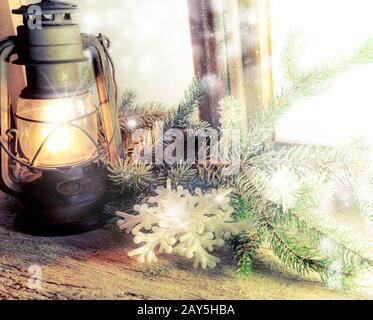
{"x": 332, "y": 27}
{"x": 151, "y": 44}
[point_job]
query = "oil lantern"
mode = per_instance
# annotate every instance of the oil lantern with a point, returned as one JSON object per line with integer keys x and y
{"x": 54, "y": 139}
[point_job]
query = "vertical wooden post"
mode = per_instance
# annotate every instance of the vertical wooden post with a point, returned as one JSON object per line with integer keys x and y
{"x": 257, "y": 52}
{"x": 233, "y": 56}
{"x": 8, "y": 24}
{"x": 206, "y": 56}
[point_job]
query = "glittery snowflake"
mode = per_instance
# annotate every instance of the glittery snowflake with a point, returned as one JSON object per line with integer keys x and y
{"x": 282, "y": 188}
{"x": 178, "y": 221}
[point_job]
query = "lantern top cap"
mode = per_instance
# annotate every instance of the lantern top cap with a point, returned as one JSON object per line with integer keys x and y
{"x": 48, "y": 7}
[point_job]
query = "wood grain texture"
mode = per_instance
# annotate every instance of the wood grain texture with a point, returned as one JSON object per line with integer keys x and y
{"x": 256, "y": 42}
{"x": 204, "y": 32}
{"x": 95, "y": 265}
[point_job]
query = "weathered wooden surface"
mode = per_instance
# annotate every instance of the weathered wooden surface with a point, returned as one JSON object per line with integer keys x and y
{"x": 95, "y": 266}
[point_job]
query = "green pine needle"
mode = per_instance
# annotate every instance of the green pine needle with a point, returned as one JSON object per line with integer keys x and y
{"x": 131, "y": 176}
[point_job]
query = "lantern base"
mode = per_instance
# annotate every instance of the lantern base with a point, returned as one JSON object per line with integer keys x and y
{"x": 60, "y": 205}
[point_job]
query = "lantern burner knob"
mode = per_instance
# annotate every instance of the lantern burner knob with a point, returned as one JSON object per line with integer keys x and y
{"x": 69, "y": 189}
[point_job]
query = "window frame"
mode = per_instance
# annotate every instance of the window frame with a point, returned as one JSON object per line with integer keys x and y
{"x": 246, "y": 75}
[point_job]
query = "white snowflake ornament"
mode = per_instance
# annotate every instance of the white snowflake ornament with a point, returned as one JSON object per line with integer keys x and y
{"x": 177, "y": 221}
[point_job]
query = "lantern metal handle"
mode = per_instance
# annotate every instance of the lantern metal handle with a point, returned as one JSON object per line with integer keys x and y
{"x": 104, "y": 70}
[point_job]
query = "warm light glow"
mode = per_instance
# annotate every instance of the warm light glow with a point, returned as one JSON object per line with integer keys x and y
{"x": 332, "y": 27}
{"x": 53, "y": 129}
{"x": 61, "y": 139}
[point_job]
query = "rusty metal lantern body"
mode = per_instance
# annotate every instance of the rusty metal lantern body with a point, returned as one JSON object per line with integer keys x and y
{"x": 50, "y": 141}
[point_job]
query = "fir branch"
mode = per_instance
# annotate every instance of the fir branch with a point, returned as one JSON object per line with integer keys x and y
{"x": 129, "y": 98}
{"x": 192, "y": 98}
{"x": 305, "y": 259}
{"x": 245, "y": 250}
{"x": 184, "y": 116}
{"x": 363, "y": 197}
{"x": 291, "y": 55}
{"x": 131, "y": 176}
{"x": 289, "y": 249}
{"x": 296, "y": 257}
{"x": 341, "y": 244}
{"x": 342, "y": 164}
{"x": 197, "y": 127}
{"x": 140, "y": 110}
{"x": 143, "y": 116}
{"x": 230, "y": 110}
{"x": 134, "y": 115}
{"x": 184, "y": 175}
{"x": 213, "y": 176}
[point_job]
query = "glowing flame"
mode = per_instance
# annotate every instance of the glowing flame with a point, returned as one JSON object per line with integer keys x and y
{"x": 58, "y": 138}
